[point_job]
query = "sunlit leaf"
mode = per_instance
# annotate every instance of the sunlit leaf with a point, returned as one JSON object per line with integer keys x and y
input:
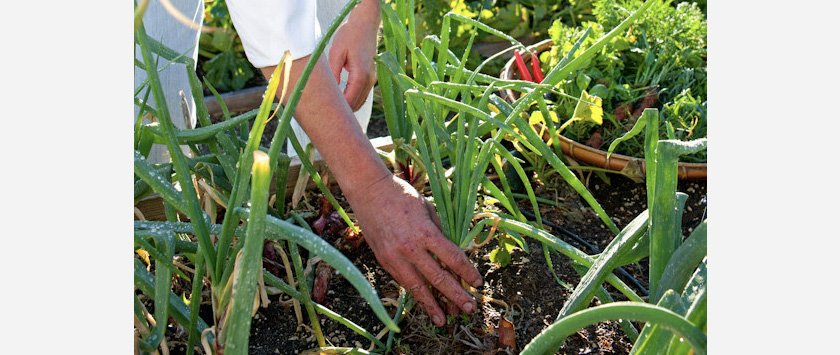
{"x": 145, "y": 256}
{"x": 537, "y": 117}
{"x": 589, "y": 109}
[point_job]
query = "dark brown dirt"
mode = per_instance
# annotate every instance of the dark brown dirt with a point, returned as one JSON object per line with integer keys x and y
{"x": 526, "y": 285}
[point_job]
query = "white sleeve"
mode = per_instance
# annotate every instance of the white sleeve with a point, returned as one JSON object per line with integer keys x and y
{"x": 270, "y": 27}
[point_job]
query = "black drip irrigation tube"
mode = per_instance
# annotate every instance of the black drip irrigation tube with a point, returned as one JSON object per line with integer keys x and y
{"x": 593, "y": 249}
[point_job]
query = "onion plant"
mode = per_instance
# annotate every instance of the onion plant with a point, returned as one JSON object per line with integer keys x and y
{"x": 675, "y": 314}
{"x": 450, "y": 134}
{"x": 460, "y": 125}
{"x": 451, "y": 110}
{"x": 236, "y": 175}
{"x": 431, "y": 89}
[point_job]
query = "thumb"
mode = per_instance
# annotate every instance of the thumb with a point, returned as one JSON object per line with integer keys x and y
{"x": 355, "y": 85}
{"x": 337, "y": 61}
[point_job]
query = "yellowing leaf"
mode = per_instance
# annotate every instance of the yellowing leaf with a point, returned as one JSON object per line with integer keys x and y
{"x": 537, "y": 117}
{"x": 144, "y": 255}
{"x": 587, "y": 109}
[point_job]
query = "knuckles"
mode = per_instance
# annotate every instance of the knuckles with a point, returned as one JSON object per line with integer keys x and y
{"x": 406, "y": 247}
{"x": 415, "y": 290}
{"x": 439, "y": 278}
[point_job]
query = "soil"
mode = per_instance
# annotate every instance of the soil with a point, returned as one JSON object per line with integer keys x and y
{"x": 526, "y": 285}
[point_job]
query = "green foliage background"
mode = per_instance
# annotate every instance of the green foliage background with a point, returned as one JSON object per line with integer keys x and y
{"x": 665, "y": 53}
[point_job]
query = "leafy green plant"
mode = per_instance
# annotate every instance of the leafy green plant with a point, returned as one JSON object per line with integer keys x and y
{"x": 225, "y": 65}
{"x": 658, "y": 63}
{"x": 234, "y": 169}
{"x": 521, "y": 19}
{"x": 516, "y": 18}
{"x": 675, "y": 315}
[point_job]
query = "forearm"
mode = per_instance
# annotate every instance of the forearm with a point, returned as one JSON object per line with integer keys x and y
{"x": 367, "y": 13}
{"x": 330, "y": 124}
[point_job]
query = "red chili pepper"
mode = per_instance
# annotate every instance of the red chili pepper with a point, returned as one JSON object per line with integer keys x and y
{"x": 520, "y": 65}
{"x": 535, "y": 64}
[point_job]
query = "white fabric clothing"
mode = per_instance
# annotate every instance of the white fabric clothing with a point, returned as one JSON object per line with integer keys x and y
{"x": 269, "y": 27}
{"x": 161, "y": 26}
{"x": 301, "y": 23}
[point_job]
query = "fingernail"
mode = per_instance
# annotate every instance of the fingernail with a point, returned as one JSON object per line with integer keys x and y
{"x": 436, "y": 320}
{"x": 468, "y": 307}
{"x": 477, "y": 283}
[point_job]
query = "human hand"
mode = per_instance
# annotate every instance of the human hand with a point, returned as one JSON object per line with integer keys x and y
{"x": 353, "y": 48}
{"x": 402, "y": 229}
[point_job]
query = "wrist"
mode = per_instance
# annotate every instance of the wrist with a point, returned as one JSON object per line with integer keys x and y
{"x": 363, "y": 192}
{"x": 367, "y": 15}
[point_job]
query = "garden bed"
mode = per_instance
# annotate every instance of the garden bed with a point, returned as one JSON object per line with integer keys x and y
{"x": 526, "y": 285}
{"x": 523, "y": 291}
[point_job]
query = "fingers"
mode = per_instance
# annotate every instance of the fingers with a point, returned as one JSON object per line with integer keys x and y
{"x": 359, "y": 83}
{"x": 455, "y": 259}
{"x": 444, "y": 281}
{"x": 414, "y": 283}
{"x": 351, "y": 93}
